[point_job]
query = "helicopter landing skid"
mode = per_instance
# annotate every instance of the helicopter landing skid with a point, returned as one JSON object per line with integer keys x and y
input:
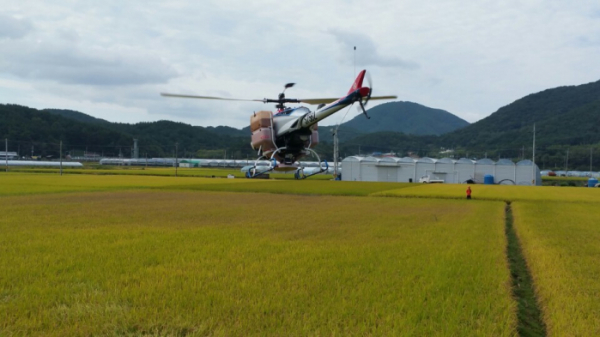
{"x": 253, "y": 172}
{"x": 299, "y": 174}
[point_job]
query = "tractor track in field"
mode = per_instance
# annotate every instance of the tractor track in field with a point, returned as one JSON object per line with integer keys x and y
{"x": 529, "y": 315}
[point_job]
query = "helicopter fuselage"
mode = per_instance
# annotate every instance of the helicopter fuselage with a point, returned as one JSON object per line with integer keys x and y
{"x": 293, "y": 127}
{"x": 294, "y": 119}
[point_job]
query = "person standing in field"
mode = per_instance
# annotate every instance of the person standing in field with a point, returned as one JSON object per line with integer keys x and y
{"x": 468, "y": 192}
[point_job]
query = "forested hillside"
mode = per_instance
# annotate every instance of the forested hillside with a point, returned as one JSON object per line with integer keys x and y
{"x": 563, "y": 116}
{"x": 26, "y": 127}
{"x": 567, "y": 121}
{"x": 407, "y": 117}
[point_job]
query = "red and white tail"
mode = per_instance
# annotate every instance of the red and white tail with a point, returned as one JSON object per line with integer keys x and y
{"x": 358, "y": 82}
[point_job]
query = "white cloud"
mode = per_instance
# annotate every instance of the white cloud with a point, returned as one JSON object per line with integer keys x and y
{"x": 65, "y": 62}
{"x": 113, "y": 58}
{"x": 13, "y": 28}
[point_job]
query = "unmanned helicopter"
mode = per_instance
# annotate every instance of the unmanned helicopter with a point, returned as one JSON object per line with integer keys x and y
{"x": 289, "y": 134}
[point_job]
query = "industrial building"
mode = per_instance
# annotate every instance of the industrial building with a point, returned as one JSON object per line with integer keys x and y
{"x": 10, "y": 155}
{"x": 393, "y": 169}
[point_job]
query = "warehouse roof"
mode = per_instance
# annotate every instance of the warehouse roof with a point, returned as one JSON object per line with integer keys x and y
{"x": 428, "y": 160}
{"x": 446, "y": 161}
{"x": 485, "y": 161}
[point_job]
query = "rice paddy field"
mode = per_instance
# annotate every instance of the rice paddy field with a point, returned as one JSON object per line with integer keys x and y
{"x": 189, "y": 256}
{"x": 561, "y": 242}
{"x": 157, "y": 171}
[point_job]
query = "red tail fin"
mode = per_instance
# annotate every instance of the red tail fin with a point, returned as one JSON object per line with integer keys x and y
{"x": 358, "y": 82}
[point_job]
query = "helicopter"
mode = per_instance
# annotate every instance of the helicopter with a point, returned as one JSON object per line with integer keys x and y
{"x": 291, "y": 133}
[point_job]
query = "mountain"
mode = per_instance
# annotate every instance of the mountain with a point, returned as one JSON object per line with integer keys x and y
{"x": 229, "y": 131}
{"x": 78, "y": 116}
{"x": 567, "y": 115}
{"x": 345, "y": 133}
{"x": 407, "y": 117}
{"x": 567, "y": 121}
{"x": 26, "y": 128}
{"x": 388, "y": 141}
{"x": 404, "y": 117}
{"x": 44, "y": 130}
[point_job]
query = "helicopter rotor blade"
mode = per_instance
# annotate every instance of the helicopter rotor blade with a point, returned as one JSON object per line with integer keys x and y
{"x": 317, "y": 100}
{"x": 211, "y": 97}
{"x": 383, "y": 97}
{"x": 364, "y": 111}
{"x": 370, "y": 84}
{"x": 365, "y": 100}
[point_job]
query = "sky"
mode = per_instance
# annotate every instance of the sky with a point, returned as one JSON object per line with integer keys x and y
{"x": 112, "y": 59}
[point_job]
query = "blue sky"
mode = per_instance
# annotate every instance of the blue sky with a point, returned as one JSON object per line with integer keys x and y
{"x": 111, "y": 59}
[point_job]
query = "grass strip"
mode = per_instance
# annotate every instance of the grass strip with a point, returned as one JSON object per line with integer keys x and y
{"x": 528, "y": 312}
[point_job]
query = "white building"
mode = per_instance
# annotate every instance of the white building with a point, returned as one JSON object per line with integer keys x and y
{"x": 36, "y": 163}
{"x": 406, "y": 169}
{"x": 10, "y": 155}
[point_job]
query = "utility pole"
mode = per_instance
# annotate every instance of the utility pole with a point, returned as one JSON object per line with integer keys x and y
{"x": 176, "y": 144}
{"x": 591, "y": 161}
{"x": 6, "y": 152}
{"x": 136, "y": 151}
{"x": 567, "y": 162}
{"x": 533, "y": 158}
{"x": 335, "y": 151}
{"x": 61, "y": 157}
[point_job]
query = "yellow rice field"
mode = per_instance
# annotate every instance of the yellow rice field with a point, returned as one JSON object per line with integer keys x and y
{"x": 561, "y": 242}
{"x": 162, "y": 261}
{"x": 161, "y": 255}
{"x": 497, "y": 192}
{"x": 23, "y": 183}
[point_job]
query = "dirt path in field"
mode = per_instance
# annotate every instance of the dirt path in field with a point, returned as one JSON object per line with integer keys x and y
{"x": 529, "y": 315}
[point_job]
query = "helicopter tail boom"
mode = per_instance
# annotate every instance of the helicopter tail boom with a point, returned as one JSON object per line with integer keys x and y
{"x": 356, "y": 93}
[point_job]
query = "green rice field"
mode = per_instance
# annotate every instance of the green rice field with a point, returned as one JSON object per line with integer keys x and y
{"x": 136, "y": 255}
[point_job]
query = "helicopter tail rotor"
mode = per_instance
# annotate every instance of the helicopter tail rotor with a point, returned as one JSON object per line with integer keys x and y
{"x": 363, "y": 101}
